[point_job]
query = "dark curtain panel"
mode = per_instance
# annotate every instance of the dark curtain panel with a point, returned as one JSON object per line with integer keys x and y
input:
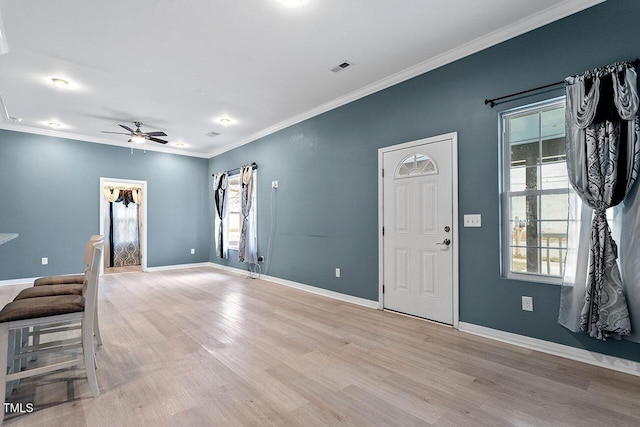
{"x": 219, "y": 195}
{"x": 603, "y": 159}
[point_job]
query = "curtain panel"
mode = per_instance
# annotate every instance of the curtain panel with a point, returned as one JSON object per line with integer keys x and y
{"x": 124, "y": 243}
{"x": 220, "y": 183}
{"x": 603, "y": 159}
{"x": 247, "y": 247}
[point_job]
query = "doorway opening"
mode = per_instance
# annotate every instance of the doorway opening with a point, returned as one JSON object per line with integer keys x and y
{"x": 123, "y": 218}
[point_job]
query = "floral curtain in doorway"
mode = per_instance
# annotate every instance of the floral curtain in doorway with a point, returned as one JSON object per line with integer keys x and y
{"x": 124, "y": 222}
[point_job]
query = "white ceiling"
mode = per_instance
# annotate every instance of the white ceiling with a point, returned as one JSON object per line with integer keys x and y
{"x": 180, "y": 66}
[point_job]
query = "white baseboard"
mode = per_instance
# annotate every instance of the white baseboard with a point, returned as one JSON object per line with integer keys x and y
{"x": 180, "y": 266}
{"x": 307, "y": 288}
{"x": 573, "y": 353}
{"x": 19, "y": 281}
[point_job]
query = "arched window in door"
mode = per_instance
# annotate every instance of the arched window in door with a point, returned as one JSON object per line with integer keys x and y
{"x": 415, "y": 165}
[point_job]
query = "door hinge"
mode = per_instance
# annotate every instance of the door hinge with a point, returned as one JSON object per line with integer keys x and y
{"x": 383, "y": 289}
{"x": 383, "y": 231}
{"x": 383, "y": 172}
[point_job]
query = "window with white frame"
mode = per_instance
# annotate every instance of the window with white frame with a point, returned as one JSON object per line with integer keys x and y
{"x": 234, "y": 210}
{"x": 535, "y": 192}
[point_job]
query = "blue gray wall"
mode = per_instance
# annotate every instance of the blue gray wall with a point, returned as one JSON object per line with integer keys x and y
{"x": 49, "y": 191}
{"x": 326, "y": 166}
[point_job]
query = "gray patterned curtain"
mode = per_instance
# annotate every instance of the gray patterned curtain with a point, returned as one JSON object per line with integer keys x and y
{"x": 220, "y": 198}
{"x": 603, "y": 159}
{"x": 247, "y": 248}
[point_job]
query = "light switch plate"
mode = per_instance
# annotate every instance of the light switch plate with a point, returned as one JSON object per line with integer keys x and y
{"x": 473, "y": 220}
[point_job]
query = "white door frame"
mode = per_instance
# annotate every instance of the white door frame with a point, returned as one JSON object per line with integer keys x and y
{"x": 103, "y": 205}
{"x": 453, "y": 136}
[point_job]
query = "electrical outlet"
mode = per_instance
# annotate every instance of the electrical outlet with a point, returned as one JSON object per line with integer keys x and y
{"x": 45, "y": 260}
{"x": 193, "y": 251}
{"x": 527, "y": 303}
{"x": 474, "y": 220}
{"x": 337, "y": 272}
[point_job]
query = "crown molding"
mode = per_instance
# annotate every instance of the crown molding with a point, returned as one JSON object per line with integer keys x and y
{"x": 4, "y": 113}
{"x": 85, "y": 138}
{"x": 4, "y": 46}
{"x": 530, "y": 23}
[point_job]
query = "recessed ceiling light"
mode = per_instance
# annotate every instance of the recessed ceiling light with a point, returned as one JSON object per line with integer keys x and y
{"x": 225, "y": 121}
{"x": 180, "y": 144}
{"x": 293, "y": 3}
{"x": 54, "y": 124}
{"x": 61, "y": 83}
{"x": 15, "y": 119}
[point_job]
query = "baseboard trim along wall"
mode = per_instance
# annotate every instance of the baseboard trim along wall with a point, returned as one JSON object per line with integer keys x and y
{"x": 180, "y": 266}
{"x": 568, "y": 352}
{"x": 307, "y": 288}
{"x": 22, "y": 281}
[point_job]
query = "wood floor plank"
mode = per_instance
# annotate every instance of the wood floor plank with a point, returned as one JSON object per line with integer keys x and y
{"x": 204, "y": 347}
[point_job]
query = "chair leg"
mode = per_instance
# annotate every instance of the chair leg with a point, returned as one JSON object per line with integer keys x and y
{"x": 89, "y": 359}
{"x": 36, "y": 340}
{"x": 96, "y": 327}
{"x": 4, "y": 352}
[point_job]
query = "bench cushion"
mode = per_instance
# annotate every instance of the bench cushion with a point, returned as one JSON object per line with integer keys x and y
{"x": 59, "y": 280}
{"x": 49, "y": 291}
{"x": 31, "y": 308}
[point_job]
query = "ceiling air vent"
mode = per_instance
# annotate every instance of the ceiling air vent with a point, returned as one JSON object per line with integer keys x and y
{"x": 342, "y": 66}
{"x": 212, "y": 134}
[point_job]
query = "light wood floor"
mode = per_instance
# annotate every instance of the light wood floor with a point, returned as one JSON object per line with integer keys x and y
{"x": 199, "y": 347}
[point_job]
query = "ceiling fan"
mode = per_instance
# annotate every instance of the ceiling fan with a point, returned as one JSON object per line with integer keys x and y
{"x": 139, "y": 136}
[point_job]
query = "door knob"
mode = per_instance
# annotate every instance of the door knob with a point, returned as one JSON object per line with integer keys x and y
{"x": 445, "y": 242}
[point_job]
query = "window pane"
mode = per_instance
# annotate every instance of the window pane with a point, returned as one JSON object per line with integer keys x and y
{"x": 517, "y": 179}
{"x": 525, "y": 154}
{"x": 553, "y": 261}
{"x": 552, "y": 122}
{"x": 518, "y": 209}
{"x": 554, "y": 234}
{"x": 554, "y": 175}
{"x": 554, "y": 206}
{"x": 518, "y": 260}
{"x": 553, "y": 150}
{"x": 524, "y": 127}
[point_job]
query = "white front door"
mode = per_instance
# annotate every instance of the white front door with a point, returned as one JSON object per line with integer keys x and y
{"x": 418, "y": 229}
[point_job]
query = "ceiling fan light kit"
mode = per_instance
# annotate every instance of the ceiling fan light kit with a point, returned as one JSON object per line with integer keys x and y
{"x": 138, "y": 137}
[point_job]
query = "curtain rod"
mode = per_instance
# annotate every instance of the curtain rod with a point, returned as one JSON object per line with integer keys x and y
{"x": 492, "y": 102}
{"x": 237, "y": 170}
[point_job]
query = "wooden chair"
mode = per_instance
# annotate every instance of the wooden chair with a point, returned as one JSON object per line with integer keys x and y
{"x": 66, "y": 285}
{"x": 72, "y": 278}
{"x": 51, "y": 314}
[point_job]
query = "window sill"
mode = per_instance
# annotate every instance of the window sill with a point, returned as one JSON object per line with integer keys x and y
{"x": 534, "y": 278}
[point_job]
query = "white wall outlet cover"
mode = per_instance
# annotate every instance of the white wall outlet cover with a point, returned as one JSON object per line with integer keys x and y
{"x": 193, "y": 251}
{"x": 45, "y": 260}
{"x": 527, "y": 303}
{"x": 337, "y": 272}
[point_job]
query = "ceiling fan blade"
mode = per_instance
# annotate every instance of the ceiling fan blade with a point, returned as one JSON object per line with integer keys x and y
{"x": 119, "y": 133}
{"x": 161, "y": 141}
{"x": 156, "y": 133}
{"x": 127, "y": 128}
